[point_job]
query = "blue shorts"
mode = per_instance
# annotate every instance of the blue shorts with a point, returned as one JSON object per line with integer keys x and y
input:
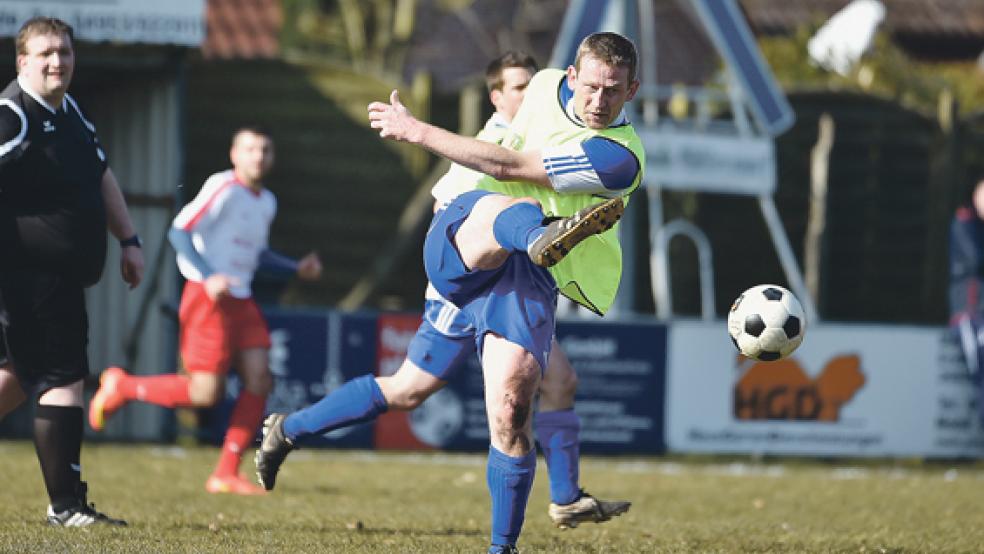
{"x": 443, "y": 341}
{"x": 516, "y": 300}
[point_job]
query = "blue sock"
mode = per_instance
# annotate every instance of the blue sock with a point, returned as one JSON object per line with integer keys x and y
{"x": 558, "y": 434}
{"x": 510, "y": 480}
{"x": 516, "y": 227}
{"x": 354, "y": 402}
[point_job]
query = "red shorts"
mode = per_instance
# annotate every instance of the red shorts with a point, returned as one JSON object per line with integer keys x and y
{"x": 211, "y": 332}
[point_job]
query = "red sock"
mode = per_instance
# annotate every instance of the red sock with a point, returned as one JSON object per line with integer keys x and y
{"x": 243, "y": 423}
{"x": 170, "y": 390}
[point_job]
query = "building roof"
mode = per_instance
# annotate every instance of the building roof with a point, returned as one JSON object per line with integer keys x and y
{"x": 242, "y": 29}
{"x": 475, "y": 34}
{"x": 924, "y": 28}
{"x": 486, "y": 28}
{"x": 684, "y": 53}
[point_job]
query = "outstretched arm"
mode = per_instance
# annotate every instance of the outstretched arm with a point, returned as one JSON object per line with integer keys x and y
{"x": 395, "y": 122}
{"x": 307, "y": 268}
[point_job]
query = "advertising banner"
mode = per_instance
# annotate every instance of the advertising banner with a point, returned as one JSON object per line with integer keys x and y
{"x": 394, "y": 429}
{"x": 313, "y": 353}
{"x": 620, "y": 396}
{"x": 729, "y": 164}
{"x": 179, "y": 22}
{"x": 850, "y": 390}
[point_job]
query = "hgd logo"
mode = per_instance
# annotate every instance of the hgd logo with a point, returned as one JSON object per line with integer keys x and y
{"x": 781, "y": 390}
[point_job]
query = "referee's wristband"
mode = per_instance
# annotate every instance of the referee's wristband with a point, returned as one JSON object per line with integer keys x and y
{"x": 132, "y": 241}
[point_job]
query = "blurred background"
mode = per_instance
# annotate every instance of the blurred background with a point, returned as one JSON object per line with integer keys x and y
{"x": 818, "y": 144}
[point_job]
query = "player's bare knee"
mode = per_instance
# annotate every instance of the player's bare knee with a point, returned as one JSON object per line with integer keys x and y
{"x": 403, "y": 399}
{"x": 512, "y": 420}
{"x": 517, "y": 413}
{"x": 475, "y": 238}
{"x": 11, "y": 393}
{"x": 205, "y": 392}
{"x": 408, "y": 388}
{"x": 416, "y": 397}
{"x": 514, "y": 442}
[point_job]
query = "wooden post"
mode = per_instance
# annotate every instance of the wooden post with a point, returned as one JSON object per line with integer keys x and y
{"x": 355, "y": 31}
{"x": 404, "y": 20}
{"x": 382, "y": 34}
{"x": 470, "y": 101}
{"x": 944, "y": 194}
{"x": 817, "y": 218}
{"x": 421, "y": 93}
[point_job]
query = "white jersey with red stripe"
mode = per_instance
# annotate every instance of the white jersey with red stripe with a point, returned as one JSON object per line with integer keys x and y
{"x": 229, "y": 223}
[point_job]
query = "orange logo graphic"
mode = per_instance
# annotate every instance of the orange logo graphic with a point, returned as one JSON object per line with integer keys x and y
{"x": 781, "y": 390}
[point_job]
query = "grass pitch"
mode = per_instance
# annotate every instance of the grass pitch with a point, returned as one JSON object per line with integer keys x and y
{"x": 365, "y": 502}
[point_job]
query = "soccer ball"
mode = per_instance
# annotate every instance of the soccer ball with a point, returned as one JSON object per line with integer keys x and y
{"x": 766, "y": 322}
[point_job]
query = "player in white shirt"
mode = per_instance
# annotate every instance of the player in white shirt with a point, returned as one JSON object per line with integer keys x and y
{"x": 221, "y": 240}
{"x": 229, "y": 223}
{"x": 443, "y": 342}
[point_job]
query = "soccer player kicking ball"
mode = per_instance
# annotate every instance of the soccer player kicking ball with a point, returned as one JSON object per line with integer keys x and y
{"x": 443, "y": 342}
{"x": 221, "y": 239}
{"x": 495, "y": 255}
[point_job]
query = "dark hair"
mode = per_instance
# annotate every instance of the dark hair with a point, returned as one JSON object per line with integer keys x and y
{"x": 612, "y": 49}
{"x": 493, "y": 72}
{"x": 41, "y": 26}
{"x": 259, "y": 130}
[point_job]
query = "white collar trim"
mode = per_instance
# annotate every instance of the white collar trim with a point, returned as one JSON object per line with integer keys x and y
{"x": 497, "y": 120}
{"x": 37, "y": 97}
{"x": 622, "y": 119}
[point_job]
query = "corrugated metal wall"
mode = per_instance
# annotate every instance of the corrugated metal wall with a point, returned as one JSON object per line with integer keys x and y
{"x": 890, "y": 198}
{"x": 139, "y": 123}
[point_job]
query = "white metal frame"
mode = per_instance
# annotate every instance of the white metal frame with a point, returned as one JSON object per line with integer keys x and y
{"x": 756, "y": 121}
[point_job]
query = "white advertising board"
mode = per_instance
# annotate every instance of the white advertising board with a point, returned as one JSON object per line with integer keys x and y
{"x": 146, "y": 21}
{"x": 728, "y": 164}
{"x": 850, "y": 390}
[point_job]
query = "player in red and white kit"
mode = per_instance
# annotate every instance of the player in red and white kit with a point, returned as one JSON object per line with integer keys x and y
{"x": 221, "y": 240}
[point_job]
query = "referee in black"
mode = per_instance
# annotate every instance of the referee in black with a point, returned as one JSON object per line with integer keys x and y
{"x": 57, "y": 198}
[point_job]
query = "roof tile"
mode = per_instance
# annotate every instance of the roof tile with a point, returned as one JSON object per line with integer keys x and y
{"x": 242, "y": 29}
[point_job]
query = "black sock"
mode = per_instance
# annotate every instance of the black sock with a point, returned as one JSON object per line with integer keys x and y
{"x": 58, "y": 442}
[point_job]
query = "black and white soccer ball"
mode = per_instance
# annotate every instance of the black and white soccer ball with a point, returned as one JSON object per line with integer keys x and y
{"x": 766, "y": 322}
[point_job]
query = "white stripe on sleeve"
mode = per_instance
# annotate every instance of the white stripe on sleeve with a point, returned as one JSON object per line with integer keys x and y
{"x": 6, "y": 147}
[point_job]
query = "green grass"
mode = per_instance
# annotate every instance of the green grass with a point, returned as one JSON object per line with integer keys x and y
{"x": 363, "y": 502}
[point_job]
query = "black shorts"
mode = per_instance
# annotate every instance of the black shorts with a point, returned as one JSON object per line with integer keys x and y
{"x": 46, "y": 328}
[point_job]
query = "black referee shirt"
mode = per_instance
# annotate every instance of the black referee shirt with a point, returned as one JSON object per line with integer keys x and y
{"x": 52, "y": 215}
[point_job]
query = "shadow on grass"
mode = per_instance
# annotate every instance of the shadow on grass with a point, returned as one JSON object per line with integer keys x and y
{"x": 309, "y": 489}
{"x": 418, "y": 532}
{"x": 296, "y": 527}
